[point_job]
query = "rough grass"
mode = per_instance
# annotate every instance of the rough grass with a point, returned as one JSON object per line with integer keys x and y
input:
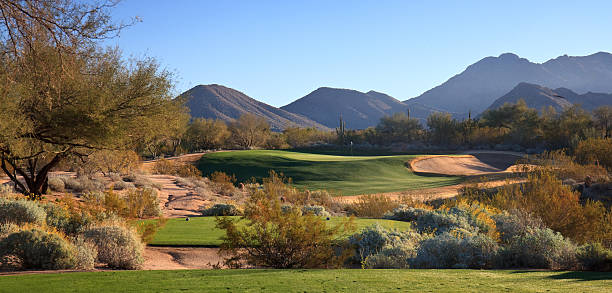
{"x": 201, "y": 231}
{"x": 311, "y": 281}
{"x": 344, "y": 175}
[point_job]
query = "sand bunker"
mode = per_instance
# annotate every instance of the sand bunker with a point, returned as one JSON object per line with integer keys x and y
{"x": 466, "y": 165}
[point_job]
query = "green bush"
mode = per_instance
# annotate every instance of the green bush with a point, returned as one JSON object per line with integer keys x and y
{"x": 595, "y": 257}
{"x": 221, "y": 210}
{"x": 540, "y": 248}
{"x": 117, "y": 246}
{"x": 38, "y": 249}
{"x": 21, "y": 211}
{"x": 454, "y": 251}
{"x": 70, "y": 223}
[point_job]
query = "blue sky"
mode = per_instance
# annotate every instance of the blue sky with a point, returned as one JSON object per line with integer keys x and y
{"x": 279, "y": 51}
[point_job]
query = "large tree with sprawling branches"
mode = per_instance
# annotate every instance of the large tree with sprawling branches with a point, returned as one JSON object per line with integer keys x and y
{"x": 62, "y": 95}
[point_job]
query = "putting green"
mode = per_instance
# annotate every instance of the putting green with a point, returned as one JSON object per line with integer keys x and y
{"x": 342, "y": 175}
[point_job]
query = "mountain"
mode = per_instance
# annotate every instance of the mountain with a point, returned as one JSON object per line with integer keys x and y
{"x": 219, "y": 102}
{"x": 359, "y": 110}
{"x": 539, "y": 97}
{"x": 481, "y": 83}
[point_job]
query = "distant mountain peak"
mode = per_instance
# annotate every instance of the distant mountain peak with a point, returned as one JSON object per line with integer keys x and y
{"x": 224, "y": 103}
{"x": 481, "y": 83}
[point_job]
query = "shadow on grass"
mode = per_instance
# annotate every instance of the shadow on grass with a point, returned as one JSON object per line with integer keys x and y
{"x": 583, "y": 276}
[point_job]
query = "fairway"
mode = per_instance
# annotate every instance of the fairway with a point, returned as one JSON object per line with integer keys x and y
{"x": 311, "y": 281}
{"x": 341, "y": 175}
{"x": 201, "y": 231}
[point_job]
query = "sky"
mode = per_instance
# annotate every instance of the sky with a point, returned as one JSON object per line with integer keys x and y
{"x": 279, "y": 51}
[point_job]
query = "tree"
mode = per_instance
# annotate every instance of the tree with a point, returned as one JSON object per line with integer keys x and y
{"x": 519, "y": 123}
{"x": 250, "y": 131}
{"x": 62, "y": 96}
{"x": 207, "y": 134}
{"x": 443, "y": 128}
{"x": 399, "y": 128}
{"x": 603, "y": 120}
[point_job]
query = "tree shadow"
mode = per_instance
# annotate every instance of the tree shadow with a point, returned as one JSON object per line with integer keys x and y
{"x": 583, "y": 276}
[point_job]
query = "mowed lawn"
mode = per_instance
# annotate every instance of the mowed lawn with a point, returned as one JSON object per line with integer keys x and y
{"x": 346, "y": 280}
{"x": 342, "y": 175}
{"x": 201, "y": 231}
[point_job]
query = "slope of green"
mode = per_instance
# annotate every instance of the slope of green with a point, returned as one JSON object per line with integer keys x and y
{"x": 311, "y": 281}
{"x": 344, "y": 175}
{"x": 201, "y": 231}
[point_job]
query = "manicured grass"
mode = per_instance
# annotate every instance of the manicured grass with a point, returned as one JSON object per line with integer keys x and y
{"x": 311, "y": 281}
{"x": 201, "y": 231}
{"x": 343, "y": 175}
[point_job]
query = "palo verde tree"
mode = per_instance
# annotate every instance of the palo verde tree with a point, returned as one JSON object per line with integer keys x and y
{"x": 61, "y": 95}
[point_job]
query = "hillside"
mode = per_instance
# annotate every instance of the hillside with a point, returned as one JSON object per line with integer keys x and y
{"x": 359, "y": 110}
{"x": 488, "y": 79}
{"x": 539, "y": 97}
{"x": 219, "y": 102}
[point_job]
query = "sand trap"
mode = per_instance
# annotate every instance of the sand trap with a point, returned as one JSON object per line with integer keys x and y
{"x": 466, "y": 165}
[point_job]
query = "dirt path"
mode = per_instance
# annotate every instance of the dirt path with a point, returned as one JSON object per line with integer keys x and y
{"x": 181, "y": 258}
{"x": 177, "y": 201}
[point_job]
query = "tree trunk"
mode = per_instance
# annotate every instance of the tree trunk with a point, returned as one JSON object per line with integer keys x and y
{"x": 36, "y": 181}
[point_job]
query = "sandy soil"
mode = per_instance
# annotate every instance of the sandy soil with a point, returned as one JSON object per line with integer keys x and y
{"x": 181, "y": 258}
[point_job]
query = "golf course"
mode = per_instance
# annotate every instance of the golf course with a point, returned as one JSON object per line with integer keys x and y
{"x": 345, "y": 280}
{"x": 341, "y": 175}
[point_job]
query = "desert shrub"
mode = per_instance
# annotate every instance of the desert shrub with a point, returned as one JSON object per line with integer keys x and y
{"x": 565, "y": 166}
{"x": 558, "y": 206}
{"x": 221, "y": 209}
{"x": 515, "y": 223}
{"x": 595, "y": 257}
{"x": 595, "y": 151}
{"x": 56, "y": 184}
{"x": 82, "y": 184}
{"x": 141, "y": 181}
{"x": 85, "y": 253}
{"x": 175, "y": 168}
{"x": 141, "y": 203}
{"x": 117, "y": 246}
{"x": 457, "y": 251}
{"x": 114, "y": 177}
{"x": 6, "y": 189}
{"x": 223, "y": 183}
{"x": 21, "y": 211}
{"x": 315, "y": 210}
{"x": 437, "y": 221}
{"x": 273, "y": 238}
{"x": 540, "y": 248}
{"x": 8, "y": 228}
{"x": 121, "y": 185}
{"x": 372, "y": 206}
{"x": 376, "y": 240}
{"x": 148, "y": 229}
{"x": 389, "y": 258}
{"x": 38, "y": 249}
